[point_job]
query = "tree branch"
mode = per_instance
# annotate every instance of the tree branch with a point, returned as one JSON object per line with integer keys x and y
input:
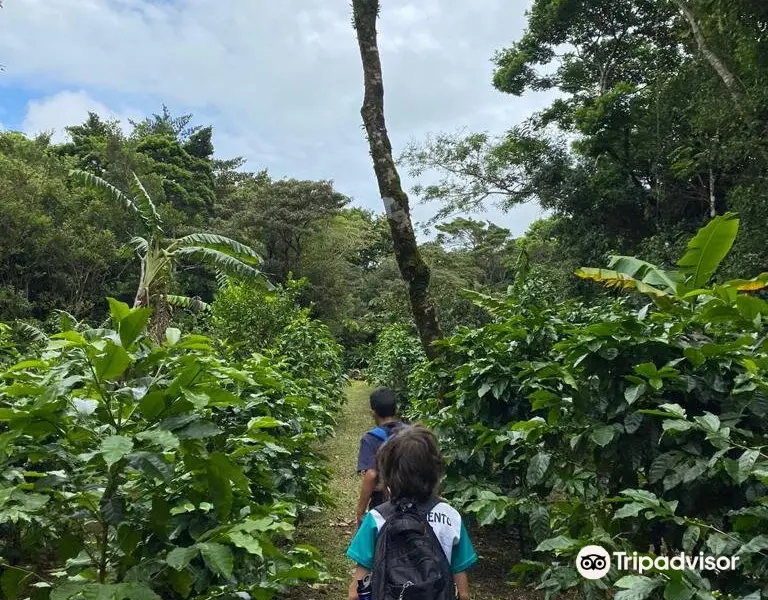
{"x": 729, "y": 79}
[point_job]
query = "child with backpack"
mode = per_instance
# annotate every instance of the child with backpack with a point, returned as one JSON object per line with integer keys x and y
{"x": 415, "y": 546}
{"x": 383, "y": 404}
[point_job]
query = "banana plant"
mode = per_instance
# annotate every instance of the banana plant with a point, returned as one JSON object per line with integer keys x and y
{"x": 705, "y": 252}
{"x": 159, "y": 255}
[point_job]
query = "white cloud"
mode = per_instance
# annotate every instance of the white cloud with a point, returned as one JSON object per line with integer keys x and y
{"x": 54, "y": 113}
{"x": 280, "y": 81}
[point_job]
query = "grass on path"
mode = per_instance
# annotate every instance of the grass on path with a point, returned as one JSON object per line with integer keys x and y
{"x": 331, "y": 530}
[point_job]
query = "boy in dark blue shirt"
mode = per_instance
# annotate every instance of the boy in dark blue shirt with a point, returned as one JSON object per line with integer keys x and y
{"x": 384, "y": 408}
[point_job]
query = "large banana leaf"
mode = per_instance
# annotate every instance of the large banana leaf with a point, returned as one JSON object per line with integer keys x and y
{"x": 140, "y": 245}
{"x": 708, "y": 248}
{"x": 615, "y": 279}
{"x": 97, "y": 183}
{"x": 193, "y": 304}
{"x": 222, "y": 244}
{"x": 142, "y": 198}
{"x": 29, "y": 332}
{"x": 222, "y": 279}
{"x": 648, "y": 273}
{"x": 227, "y": 263}
{"x": 749, "y": 285}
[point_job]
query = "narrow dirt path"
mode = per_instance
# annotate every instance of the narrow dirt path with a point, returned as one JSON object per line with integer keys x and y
{"x": 331, "y": 530}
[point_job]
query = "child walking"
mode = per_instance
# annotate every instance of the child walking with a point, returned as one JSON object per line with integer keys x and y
{"x": 383, "y": 404}
{"x": 404, "y": 557}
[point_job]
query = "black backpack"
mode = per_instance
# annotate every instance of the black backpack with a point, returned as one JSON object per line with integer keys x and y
{"x": 410, "y": 563}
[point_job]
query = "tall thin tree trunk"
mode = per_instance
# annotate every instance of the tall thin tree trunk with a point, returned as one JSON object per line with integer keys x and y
{"x": 412, "y": 267}
{"x": 729, "y": 79}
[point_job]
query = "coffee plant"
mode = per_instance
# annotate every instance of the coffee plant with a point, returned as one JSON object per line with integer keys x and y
{"x": 637, "y": 427}
{"x": 132, "y": 470}
{"x": 395, "y": 355}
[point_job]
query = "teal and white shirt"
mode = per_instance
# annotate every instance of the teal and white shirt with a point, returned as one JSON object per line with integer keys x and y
{"x": 447, "y": 525}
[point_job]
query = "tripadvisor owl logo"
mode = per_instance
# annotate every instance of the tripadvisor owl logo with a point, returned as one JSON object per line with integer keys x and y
{"x": 593, "y": 562}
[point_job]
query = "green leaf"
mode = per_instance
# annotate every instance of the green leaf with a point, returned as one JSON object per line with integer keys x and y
{"x": 66, "y": 591}
{"x": 634, "y": 393}
{"x": 225, "y": 261}
{"x": 636, "y": 587}
{"x": 556, "y": 544}
{"x": 755, "y": 545}
{"x": 181, "y": 582}
{"x": 198, "y": 399}
{"x": 159, "y": 437}
{"x": 539, "y": 522}
{"x": 221, "y": 489}
{"x": 249, "y": 543}
{"x": 217, "y": 557}
{"x": 152, "y": 465}
{"x": 647, "y": 370}
{"x": 112, "y": 508}
{"x": 603, "y": 435}
{"x": 113, "y": 363}
{"x": 643, "y": 497}
{"x": 537, "y": 468}
{"x": 198, "y": 430}
{"x": 629, "y": 510}
{"x": 132, "y": 325}
{"x": 146, "y": 211}
{"x": 118, "y": 310}
{"x": 12, "y": 581}
{"x": 115, "y": 447}
{"x": 172, "y": 336}
{"x": 646, "y": 272}
{"x": 691, "y": 537}
{"x": 152, "y": 404}
{"x": 264, "y": 423}
{"x": 179, "y": 558}
{"x": 674, "y": 410}
{"x": 224, "y": 244}
{"x": 746, "y": 463}
{"x": 225, "y": 467}
{"x": 676, "y": 425}
{"x": 614, "y": 279}
{"x": 678, "y": 589}
{"x": 708, "y": 248}
{"x": 709, "y": 422}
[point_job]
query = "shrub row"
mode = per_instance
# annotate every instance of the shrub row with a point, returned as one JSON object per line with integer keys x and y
{"x": 132, "y": 470}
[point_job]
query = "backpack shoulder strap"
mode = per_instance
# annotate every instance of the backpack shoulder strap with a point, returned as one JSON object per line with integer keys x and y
{"x": 380, "y": 433}
{"x": 386, "y": 510}
{"x": 425, "y": 508}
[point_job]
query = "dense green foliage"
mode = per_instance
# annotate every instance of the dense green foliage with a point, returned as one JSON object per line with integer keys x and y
{"x": 248, "y": 318}
{"x": 140, "y": 458}
{"x": 654, "y": 129}
{"x": 66, "y": 246}
{"x": 618, "y": 423}
{"x": 395, "y": 355}
{"x": 149, "y": 471}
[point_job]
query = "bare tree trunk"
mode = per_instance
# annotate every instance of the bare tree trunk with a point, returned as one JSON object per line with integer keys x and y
{"x": 412, "y": 267}
{"x": 160, "y": 319}
{"x": 718, "y": 65}
{"x": 712, "y": 197}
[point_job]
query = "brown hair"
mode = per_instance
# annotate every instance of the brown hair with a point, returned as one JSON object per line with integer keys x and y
{"x": 410, "y": 464}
